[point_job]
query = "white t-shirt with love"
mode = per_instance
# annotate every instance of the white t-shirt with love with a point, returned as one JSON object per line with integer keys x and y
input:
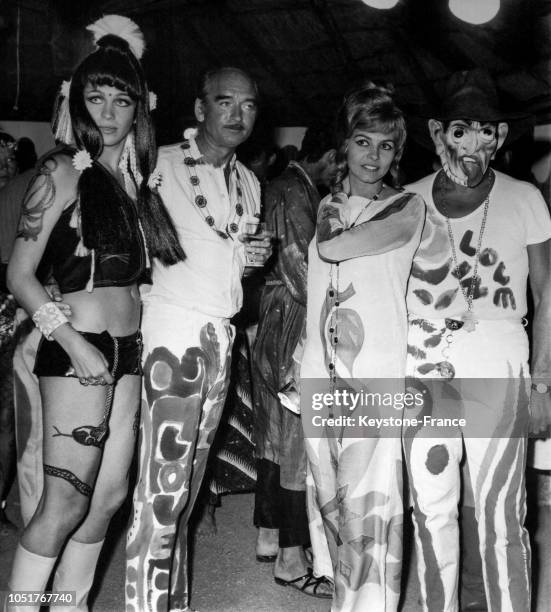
{"x": 517, "y": 217}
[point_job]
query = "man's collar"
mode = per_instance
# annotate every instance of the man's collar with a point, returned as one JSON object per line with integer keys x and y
{"x": 190, "y": 134}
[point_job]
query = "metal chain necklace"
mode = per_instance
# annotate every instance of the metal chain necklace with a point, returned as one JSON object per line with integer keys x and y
{"x": 469, "y": 319}
{"x": 369, "y": 201}
{"x": 201, "y": 201}
{"x": 333, "y": 294}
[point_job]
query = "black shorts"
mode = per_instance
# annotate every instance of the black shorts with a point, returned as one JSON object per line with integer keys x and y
{"x": 123, "y": 353}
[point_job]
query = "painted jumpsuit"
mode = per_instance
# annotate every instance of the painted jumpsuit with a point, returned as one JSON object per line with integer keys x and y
{"x": 491, "y": 386}
{"x": 187, "y": 347}
{"x": 361, "y": 302}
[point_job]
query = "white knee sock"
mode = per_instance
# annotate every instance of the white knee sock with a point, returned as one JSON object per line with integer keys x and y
{"x": 30, "y": 572}
{"x": 75, "y": 572}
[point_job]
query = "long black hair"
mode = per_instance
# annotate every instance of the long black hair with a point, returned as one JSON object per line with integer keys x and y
{"x": 114, "y": 65}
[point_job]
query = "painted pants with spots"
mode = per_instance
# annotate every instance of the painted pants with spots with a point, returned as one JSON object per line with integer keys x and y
{"x": 490, "y": 390}
{"x": 358, "y": 488}
{"x": 186, "y": 363}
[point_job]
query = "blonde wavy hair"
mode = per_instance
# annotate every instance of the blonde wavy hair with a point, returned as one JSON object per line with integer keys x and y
{"x": 369, "y": 107}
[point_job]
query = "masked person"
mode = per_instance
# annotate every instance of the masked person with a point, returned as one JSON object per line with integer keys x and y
{"x": 89, "y": 216}
{"x": 211, "y": 198}
{"x": 485, "y": 233}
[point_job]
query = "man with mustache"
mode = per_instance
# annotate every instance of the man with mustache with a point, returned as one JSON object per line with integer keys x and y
{"x": 485, "y": 233}
{"x": 186, "y": 330}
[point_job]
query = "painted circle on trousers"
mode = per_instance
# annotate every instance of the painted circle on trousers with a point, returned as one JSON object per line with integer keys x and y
{"x": 161, "y": 375}
{"x": 162, "y": 603}
{"x": 161, "y": 581}
{"x": 171, "y": 476}
{"x": 438, "y": 458}
{"x": 130, "y": 591}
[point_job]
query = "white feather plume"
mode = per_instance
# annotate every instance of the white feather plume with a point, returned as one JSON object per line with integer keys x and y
{"x": 122, "y": 27}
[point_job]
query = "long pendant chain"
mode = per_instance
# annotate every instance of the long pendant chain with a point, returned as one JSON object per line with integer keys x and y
{"x": 201, "y": 201}
{"x": 469, "y": 318}
{"x": 333, "y": 324}
{"x": 369, "y": 200}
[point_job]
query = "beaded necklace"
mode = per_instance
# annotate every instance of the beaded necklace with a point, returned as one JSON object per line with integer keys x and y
{"x": 201, "y": 201}
{"x": 333, "y": 294}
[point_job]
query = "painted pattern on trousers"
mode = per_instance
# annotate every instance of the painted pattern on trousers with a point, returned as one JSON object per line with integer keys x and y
{"x": 362, "y": 513}
{"x": 182, "y": 401}
{"x": 495, "y": 354}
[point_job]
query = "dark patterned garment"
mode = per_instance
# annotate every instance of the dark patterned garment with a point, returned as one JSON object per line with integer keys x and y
{"x": 8, "y": 342}
{"x": 291, "y": 205}
{"x": 231, "y": 466}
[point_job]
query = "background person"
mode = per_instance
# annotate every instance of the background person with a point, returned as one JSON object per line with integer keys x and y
{"x": 10, "y": 202}
{"x": 291, "y": 204}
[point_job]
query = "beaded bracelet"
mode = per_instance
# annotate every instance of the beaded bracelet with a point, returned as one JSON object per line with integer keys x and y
{"x": 48, "y": 318}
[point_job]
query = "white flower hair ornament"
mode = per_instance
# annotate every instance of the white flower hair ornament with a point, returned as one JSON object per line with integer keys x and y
{"x": 120, "y": 26}
{"x": 155, "y": 180}
{"x": 82, "y": 160}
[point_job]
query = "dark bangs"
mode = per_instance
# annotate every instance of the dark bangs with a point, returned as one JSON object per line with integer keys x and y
{"x": 110, "y": 69}
{"x": 112, "y": 65}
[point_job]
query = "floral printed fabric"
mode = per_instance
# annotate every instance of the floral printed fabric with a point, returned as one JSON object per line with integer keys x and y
{"x": 358, "y": 481}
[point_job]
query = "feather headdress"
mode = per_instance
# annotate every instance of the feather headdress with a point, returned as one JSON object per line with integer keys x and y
{"x": 120, "y": 26}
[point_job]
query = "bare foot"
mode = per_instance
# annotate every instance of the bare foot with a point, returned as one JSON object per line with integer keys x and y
{"x": 206, "y": 526}
{"x": 292, "y": 569}
{"x": 290, "y": 563}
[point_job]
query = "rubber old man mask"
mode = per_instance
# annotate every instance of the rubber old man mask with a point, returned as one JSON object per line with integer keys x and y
{"x": 469, "y": 126}
{"x": 466, "y": 146}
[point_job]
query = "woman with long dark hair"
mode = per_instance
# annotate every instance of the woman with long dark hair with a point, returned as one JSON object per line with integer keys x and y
{"x": 356, "y": 337}
{"x": 89, "y": 218}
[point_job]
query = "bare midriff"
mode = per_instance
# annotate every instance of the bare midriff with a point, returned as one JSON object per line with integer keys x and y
{"x": 115, "y": 309}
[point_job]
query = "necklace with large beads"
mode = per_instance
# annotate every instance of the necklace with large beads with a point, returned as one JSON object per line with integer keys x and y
{"x": 201, "y": 201}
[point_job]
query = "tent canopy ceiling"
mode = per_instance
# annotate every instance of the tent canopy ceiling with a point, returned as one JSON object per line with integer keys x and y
{"x": 304, "y": 54}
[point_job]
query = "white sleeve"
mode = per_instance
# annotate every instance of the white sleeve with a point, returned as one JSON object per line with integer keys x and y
{"x": 537, "y": 221}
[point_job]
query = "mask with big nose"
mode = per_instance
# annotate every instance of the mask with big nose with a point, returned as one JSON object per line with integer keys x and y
{"x": 466, "y": 148}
